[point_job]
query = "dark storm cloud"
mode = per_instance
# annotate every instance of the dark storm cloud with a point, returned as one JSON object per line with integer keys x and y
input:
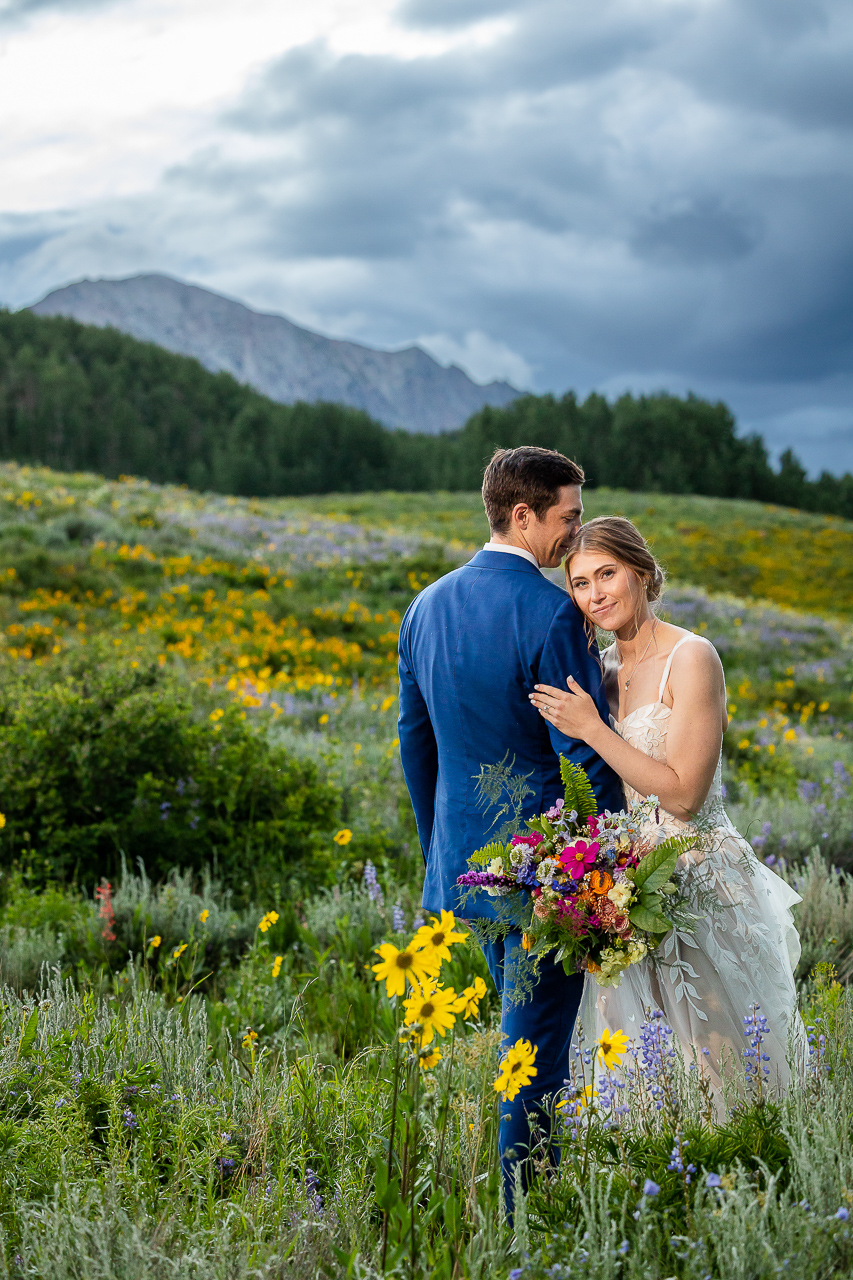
{"x": 536, "y": 136}
{"x": 615, "y": 191}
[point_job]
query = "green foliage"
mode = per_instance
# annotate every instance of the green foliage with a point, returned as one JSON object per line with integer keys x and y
{"x": 116, "y": 761}
{"x": 78, "y": 397}
{"x": 578, "y": 793}
{"x": 500, "y": 788}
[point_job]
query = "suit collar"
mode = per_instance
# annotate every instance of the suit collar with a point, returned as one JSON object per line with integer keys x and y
{"x": 500, "y": 560}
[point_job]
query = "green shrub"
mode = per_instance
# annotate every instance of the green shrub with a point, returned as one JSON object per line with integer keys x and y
{"x": 115, "y": 761}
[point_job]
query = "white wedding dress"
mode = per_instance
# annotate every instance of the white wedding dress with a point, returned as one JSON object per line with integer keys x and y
{"x": 706, "y": 982}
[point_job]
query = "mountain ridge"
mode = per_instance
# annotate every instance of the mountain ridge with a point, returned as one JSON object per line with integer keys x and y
{"x": 282, "y": 360}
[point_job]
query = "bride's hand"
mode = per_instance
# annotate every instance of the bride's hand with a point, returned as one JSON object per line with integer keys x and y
{"x": 573, "y": 714}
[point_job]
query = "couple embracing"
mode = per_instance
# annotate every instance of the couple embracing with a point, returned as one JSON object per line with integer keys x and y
{"x": 498, "y": 661}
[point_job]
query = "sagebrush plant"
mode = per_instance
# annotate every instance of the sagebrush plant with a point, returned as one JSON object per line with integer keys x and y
{"x": 116, "y": 762}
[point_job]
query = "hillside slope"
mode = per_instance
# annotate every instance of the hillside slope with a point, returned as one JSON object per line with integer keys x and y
{"x": 405, "y": 389}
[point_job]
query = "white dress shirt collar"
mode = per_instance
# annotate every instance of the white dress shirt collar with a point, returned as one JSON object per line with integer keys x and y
{"x": 513, "y": 551}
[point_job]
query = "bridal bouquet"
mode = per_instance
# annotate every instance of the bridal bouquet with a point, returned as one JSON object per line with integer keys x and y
{"x": 600, "y": 888}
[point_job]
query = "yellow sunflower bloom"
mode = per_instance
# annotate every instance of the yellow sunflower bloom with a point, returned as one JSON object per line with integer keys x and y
{"x": 430, "y": 1058}
{"x": 468, "y": 1003}
{"x": 611, "y": 1048}
{"x": 438, "y": 936}
{"x": 396, "y": 966}
{"x": 516, "y": 1069}
{"x": 433, "y": 1007}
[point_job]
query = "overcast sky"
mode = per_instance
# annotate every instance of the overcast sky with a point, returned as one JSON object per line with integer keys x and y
{"x": 598, "y": 194}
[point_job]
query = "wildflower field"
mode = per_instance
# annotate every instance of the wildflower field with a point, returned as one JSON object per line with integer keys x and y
{"x": 232, "y": 1046}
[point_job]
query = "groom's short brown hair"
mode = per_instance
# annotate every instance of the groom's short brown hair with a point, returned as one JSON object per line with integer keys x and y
{"x": 527, "y": 474}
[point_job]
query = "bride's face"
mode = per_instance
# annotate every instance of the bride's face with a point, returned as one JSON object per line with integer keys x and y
{"x": 605, "y": 590}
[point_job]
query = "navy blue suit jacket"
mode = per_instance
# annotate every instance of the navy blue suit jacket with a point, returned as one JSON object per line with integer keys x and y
{"x": 472, "y": 646}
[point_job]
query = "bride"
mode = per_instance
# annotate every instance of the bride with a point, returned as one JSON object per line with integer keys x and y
{"x": 667, "y": 697}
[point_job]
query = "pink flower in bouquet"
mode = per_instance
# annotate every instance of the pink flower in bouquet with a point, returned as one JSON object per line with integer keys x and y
{"x": 594, "y": 826}
{"x": 571, "y": 918}
{"x": 622, "y": 925}
{"x": 577, "y": 858}
{"x": 532, "y": 840}
{"x": 607, "y": 911}
{"x": 556, "y": 811}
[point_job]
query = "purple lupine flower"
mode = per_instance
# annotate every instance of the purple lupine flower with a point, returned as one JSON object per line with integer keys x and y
{"x": 398, "y": 919}
{"x": 371, "y": 884}
{"x": 650, "y": 1188}
{"x": 312, "y": 1191}
{"x": 130, "y": 1120}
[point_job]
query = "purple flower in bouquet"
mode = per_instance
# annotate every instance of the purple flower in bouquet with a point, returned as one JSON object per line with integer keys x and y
{"x": 576, "y": 859}
{"x": 526, "y": 875}
{"x": 556, "y": 811}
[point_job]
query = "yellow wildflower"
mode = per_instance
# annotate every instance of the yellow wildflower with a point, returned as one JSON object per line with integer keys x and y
{"x": 217, "y": 714}
{"x": 249, "y": 1038}
{"x": 429, "y": 1058}
{"x": 343, "y": 837}
{"x": 516, "y": 1069}
{"x": 204, "y": 916}
{"x": 2, "y": 821}
{"x": 276, "y": 966}
{"x": 468, "y": 1003}
{"x": 438, "y": 936}
{"x": 396, "y": 966}
{"x": 155, "y": 941}
{"x": 433, "y": 1007}
{"x": 179, "y": 951}
{"x": 268, "y": 921}
{"x": 611, "y": 1048}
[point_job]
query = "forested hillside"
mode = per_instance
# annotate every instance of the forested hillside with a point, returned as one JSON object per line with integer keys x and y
{"x": 76, "y": 397}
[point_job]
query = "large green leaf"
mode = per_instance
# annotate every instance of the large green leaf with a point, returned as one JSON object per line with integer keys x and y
{"x": 657, "y": 867}
{"x": 649, "y": 921}
{"x": 578, "y": 794}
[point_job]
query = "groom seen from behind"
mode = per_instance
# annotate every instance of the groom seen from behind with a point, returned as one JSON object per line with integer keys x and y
{"x": 472, "y": 646}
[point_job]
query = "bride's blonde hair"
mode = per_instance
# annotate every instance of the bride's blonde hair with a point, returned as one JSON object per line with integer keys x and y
{"x": 617, "y": 537}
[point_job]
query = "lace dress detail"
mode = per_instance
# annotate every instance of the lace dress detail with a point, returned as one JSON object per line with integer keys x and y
{"x": 741, "y": 954}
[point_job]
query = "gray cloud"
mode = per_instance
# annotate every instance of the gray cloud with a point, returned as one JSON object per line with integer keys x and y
{"x": 620, "y": 196}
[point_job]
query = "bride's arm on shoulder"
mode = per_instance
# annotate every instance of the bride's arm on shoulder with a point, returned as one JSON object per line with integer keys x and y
{"x": 694, "y": 731}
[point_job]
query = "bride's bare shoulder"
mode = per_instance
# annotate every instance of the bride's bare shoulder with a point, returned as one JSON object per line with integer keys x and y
{"x": 696, "y": 660}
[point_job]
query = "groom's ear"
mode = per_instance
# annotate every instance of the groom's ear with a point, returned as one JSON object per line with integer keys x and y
{"x": 520, "y": 514}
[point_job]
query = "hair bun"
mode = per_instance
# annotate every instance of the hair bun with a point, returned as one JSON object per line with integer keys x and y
{"x": 656, "y": 583}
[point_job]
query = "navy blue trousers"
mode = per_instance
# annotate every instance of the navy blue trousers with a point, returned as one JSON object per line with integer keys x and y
{"x": 547, "y": 1020}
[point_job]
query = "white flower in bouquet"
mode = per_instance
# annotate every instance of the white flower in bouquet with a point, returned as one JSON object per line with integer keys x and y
{"x": 620, "y": 895}
{"x": 546, "y": 870}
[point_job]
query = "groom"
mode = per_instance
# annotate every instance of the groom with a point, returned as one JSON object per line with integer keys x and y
{"x": 472, "y": 646}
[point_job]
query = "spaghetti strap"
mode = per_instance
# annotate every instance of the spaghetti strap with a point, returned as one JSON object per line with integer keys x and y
{"x": 668, "y": 666}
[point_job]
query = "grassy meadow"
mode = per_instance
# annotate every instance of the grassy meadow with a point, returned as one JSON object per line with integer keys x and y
{"x": 206, "y": 835}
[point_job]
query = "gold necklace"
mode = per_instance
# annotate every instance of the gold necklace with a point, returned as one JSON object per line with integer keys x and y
{"x": 642, "y": 655}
